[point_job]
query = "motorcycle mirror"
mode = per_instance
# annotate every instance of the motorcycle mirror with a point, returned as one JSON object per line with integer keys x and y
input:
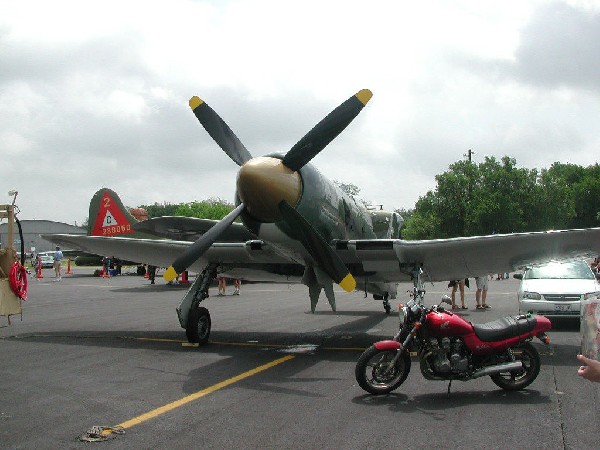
{"x": 446, "y": 299}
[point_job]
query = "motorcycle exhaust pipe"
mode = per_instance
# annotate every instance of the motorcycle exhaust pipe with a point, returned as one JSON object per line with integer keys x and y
{"x": 506, "y": 367}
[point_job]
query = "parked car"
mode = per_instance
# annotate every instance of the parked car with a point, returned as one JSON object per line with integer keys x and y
{"x": 556, "y": 289}
{"x": 47, "y": 259}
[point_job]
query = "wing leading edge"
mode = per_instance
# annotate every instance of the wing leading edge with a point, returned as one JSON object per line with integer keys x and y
{"x": 253, "y": 260}
{"x": 448, "y": 259}
{"x": 379, "y": 260}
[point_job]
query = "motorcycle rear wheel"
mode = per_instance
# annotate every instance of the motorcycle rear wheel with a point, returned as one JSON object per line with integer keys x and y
{"x": 371, "y": 371}
{"x": 514, "y": 381}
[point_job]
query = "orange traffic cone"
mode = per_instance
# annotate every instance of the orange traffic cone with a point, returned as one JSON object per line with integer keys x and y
{"x": 68, "y": 272}
{"x": 39, "y": 273}
{"x": 184, "y": 278}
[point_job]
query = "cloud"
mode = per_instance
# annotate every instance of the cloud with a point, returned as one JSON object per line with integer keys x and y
{"x": 96, "y": 95}
{"x": 560, "y": 47}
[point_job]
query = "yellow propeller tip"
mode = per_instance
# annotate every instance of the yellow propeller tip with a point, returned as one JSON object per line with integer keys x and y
{"x": 348, "y": 283}
{"x": 170, "y": 274}
{"x": 364, "y": 96}
{"x": 195, "y": 102}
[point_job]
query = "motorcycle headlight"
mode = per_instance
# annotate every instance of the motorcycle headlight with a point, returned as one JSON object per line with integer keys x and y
{"x": 402, "y": 315}
{"x": 531, "y": 295}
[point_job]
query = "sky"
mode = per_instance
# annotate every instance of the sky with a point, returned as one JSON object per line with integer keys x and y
{"x": 95, "y": 94}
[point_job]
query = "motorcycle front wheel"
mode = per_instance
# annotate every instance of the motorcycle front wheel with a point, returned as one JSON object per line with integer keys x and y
{"x": 514, "y": 381}
{"x": 374, "y": 375}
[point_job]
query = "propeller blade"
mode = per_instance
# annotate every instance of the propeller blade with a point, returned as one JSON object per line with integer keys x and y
{"x": 198, "y": 248}
{"x": 325, "y": 131}
{"x": 220, "y": 131}
{"x": 320, "y": 250}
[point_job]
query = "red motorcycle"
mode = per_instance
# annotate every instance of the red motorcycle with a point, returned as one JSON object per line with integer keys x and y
{"x": 450, "y": 348}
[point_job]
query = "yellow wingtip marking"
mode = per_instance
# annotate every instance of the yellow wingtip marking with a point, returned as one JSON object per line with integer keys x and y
{"x": 348, "y": 283}
{"x": 195, "y": 102}
{"x": 170, "y": 274}
{"x": 364, "y": 96}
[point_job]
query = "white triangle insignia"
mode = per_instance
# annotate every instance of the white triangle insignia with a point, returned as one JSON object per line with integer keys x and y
{"x": 109, "y": 220}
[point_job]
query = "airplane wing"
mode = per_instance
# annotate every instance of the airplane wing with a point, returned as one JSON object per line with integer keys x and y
{"x": 379, "y": 260}
{"x": 250, "y": 260}
{"x": 190, "y": 229}
{"x": 450, "y": 259}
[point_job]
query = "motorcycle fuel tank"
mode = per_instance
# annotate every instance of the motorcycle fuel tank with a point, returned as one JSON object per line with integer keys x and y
{"x": 442, "y": 324}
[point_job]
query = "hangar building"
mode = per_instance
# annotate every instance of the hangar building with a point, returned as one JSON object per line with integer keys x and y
{"x": 31, "y": 234}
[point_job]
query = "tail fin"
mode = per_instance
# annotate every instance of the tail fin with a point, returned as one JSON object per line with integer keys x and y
{"x": 108, "y": 216}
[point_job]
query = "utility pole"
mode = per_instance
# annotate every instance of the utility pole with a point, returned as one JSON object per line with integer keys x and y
{"x": 469, "y": 155}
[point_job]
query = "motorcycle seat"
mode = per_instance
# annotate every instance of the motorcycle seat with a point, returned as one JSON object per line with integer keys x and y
{"x": 504, "y": 328}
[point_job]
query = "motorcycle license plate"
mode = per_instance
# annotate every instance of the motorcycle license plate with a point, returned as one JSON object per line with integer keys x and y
{"x": 562, "y": 307}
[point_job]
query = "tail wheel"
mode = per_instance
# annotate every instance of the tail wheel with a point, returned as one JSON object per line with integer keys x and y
{"x": 374, "y": 375}
{"x": 516, "y": 380}
{"x": 198, "y": 326}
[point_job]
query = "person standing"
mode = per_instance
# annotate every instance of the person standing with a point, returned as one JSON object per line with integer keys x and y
{"x": 38, "y": 267}
{"x": 481, "y": 292}
{"x": 151, "y": 273}
{"x": 460, "y": 285}
{"x": 222, "y": 284}
{"x": 237, "y": 284}
{"x": 58, "y": 256}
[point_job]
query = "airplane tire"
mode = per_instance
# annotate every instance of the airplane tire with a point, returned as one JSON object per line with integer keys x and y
{"x": 198, "y": 326}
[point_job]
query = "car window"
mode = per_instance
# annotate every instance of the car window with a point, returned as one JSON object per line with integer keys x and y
{"x": 572, "y": 270}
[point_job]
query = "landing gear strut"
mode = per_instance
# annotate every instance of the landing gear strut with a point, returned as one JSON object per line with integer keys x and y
{"x": 192, "y": 317}
{"x": 386, "y": 303}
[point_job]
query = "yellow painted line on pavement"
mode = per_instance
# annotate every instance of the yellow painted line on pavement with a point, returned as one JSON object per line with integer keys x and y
{"x": 190, "y": 398}
{"x": 159, "y": 339}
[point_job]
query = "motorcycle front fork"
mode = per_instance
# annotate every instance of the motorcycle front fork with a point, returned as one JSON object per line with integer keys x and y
{"x": 403, "y": 346}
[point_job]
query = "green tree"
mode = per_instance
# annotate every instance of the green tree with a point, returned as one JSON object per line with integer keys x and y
{"x": 501, "y": 196}
{"x": 496, "y": 196}
{"x": 587, "y": 199}
{"x": 160, "y": 209}
{"x": 213, "y": 208}
{"x": 453, "y": 198}
{"x": 423, "y": 223}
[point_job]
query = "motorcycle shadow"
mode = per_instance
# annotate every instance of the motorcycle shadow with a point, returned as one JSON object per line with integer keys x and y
{"x": 442, "y": 401}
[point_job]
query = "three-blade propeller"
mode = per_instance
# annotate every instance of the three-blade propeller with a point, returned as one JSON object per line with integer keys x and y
{"x": 266, "y": 186}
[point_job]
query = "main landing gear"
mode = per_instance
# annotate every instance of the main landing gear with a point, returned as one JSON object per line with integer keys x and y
{"x": 194, "y": 318}
{"x": 386, "y": 303}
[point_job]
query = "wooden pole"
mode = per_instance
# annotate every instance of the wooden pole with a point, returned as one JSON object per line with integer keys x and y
{"x": 8, "y": 212}
{"x": 11, "y": 223}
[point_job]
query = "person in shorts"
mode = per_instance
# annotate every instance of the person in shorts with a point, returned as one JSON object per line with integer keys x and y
{"x": 58, "y": 256}
{"x": 481, "y": 292}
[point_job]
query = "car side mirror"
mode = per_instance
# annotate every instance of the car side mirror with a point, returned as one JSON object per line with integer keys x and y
{"x": 518, "y": 276}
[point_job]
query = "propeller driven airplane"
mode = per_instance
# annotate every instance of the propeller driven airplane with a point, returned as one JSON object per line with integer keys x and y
{"x": 298, "y": 226}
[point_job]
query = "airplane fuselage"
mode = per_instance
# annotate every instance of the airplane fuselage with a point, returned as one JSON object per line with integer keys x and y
{"x": 334, "y": 214}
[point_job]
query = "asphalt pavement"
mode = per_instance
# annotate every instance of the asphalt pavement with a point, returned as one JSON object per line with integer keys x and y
{"x": 108, "y": 352}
